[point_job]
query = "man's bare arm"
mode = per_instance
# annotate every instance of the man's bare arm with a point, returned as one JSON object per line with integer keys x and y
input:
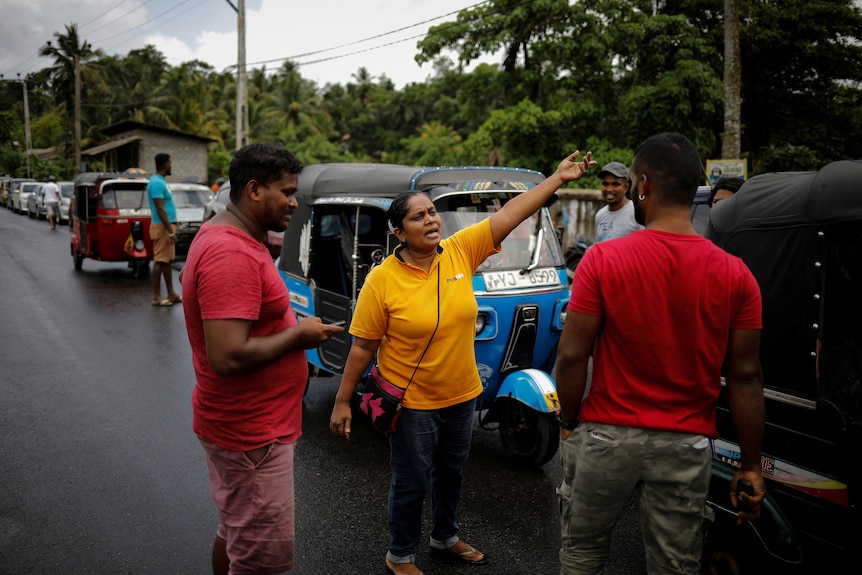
{"x": 230, "y": 350}
{"x": 573, "y": 356}
{"x": 744, "y": 379}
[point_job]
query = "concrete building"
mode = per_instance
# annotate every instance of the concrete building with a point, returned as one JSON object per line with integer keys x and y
{"x": 135, "y": 145}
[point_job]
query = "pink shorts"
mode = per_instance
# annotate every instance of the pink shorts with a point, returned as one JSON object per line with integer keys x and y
{"x": 256, "y": 506}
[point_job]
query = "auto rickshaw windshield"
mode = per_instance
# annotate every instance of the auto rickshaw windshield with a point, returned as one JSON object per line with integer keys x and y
{"x": 124, "y": 196}
{"x": 519, "y": 248}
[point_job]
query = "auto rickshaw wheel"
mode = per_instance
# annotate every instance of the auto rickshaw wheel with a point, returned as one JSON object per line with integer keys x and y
{"x": 528, "y": 436}
{"x": 79, "y": 260}
{"x": 729, "y": 549}
{"x": 140, "y": 268}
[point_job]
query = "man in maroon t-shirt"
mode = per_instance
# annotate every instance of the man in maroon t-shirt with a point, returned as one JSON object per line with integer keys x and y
{"x": 659, "y": 310}
{"x": 248, "y": 352}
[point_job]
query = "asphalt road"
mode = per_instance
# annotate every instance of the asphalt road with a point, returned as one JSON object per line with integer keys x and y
{"x": 100, "y": 471}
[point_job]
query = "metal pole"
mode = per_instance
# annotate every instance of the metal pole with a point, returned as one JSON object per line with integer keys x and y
{"x": 241, "y": 89}
{"x": 27, "y": 141}
{"x": 77, "y": 142}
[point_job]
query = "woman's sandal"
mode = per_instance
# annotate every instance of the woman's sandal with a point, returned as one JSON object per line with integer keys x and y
{"x": 466, "y": 556}
{"x": 391, "y": 568}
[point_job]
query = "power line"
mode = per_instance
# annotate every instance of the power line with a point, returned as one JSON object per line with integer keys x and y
{"x": 314, "y": 53}
{"x": 117, "y": 5}
{"x": 121, "y": 16}
{"x": 148, "y": 23}
{"x": 151, "y": 21}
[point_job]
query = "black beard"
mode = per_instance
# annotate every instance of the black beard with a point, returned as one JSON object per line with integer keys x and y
{"x": 639, "y": 216}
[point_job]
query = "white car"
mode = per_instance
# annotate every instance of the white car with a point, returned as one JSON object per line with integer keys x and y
{"x": 190, "y": 200}
{"x": 66, "y": 189}
{"x": 20, "y": 199}
{"x": 219, "y": 201}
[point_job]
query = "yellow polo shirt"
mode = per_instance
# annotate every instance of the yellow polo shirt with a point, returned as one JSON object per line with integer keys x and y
{"x": 398, "y": 306}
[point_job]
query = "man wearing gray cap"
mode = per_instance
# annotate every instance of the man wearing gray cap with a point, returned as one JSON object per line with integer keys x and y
{"x": 617, "y": 218}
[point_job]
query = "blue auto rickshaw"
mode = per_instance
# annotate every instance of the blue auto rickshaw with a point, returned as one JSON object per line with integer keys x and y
{"x": 339, "y": 233}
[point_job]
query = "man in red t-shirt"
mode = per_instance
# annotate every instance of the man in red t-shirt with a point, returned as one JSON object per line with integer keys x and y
{"x": 659, "y": 310}
{"x": 248, "y": 352}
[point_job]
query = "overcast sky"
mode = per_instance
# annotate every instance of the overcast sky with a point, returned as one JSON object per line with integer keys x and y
{"x": 338, "y": 36}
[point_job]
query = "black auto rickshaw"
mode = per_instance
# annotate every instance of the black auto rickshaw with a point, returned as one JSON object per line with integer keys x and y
{"x": 105, "y": 210}
{"x": 800, "y": 234}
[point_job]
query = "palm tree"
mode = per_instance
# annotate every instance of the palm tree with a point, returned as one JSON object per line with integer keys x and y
{"x": 69, "y": 55}
{"x": 294, "y": 108}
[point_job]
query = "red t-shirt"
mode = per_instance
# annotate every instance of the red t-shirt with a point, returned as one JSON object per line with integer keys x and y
{"x": 668, "y": 303}
{"x": 229, "y": 275}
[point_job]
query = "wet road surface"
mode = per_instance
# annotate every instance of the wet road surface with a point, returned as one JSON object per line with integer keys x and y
{"x": 101, "y": 473}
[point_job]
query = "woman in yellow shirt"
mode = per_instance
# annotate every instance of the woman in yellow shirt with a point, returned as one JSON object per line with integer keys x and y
{"x": 422, "y": 297}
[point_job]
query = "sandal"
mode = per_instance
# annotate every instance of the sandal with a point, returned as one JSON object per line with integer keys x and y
{"x": 175, "y": 299}
{"x": 164, "y": 303}
{"x": 469, "y": 555}
{"x": 411, "y": 570}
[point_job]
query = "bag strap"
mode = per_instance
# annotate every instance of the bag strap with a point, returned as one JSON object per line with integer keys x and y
{"x": 432, "y": 335}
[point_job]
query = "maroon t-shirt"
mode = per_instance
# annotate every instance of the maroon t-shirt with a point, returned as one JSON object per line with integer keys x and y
{"x": 229, "y": 275}
{"x": 668, "y": 302}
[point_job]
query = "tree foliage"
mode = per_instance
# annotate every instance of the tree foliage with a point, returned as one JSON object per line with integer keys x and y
{"x": 601, "y": 76}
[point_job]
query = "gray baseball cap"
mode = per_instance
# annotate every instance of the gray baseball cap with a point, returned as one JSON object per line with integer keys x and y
{"x": 615, "y": 169}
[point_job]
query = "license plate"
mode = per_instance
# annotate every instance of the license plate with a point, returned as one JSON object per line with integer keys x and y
{"x": 496, "y": 281}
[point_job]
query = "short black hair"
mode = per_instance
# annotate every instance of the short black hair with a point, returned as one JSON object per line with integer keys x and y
{"x": 161, "y": 160}
{"x": 398, "y": 208}
{"x": 731, "y": 184}
{"x": 263, "y": 162}
{"x": 673, "y": 163}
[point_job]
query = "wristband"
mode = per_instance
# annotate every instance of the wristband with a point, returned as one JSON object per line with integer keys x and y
{"x": 567, "y": 425}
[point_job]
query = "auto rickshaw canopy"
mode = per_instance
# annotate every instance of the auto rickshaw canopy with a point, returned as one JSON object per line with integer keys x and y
{"x": 800, "y": 233}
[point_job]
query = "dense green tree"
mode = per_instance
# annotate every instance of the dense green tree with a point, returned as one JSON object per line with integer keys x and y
{"x": 527, "y": 33}
{"x": 436, "y": 145}
{"x": 802, "y": 71}
{"x": 601, "y": 76}
{"x": 294, "y": 108}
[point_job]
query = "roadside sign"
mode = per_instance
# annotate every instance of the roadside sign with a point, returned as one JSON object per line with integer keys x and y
{"x": 717, "y": 169}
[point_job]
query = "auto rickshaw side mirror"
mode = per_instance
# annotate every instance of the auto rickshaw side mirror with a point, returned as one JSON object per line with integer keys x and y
{"x": 391, "y": 242}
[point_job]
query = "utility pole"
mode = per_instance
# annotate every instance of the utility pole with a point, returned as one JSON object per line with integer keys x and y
{"x": 77, "y": 138}
{"x": 241, "y": 82}
{"x": 28, "y": 143}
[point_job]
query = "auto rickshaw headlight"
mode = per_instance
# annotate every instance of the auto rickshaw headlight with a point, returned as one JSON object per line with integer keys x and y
{"x": 486, "y": 323}
{"x": 559, "y": 317}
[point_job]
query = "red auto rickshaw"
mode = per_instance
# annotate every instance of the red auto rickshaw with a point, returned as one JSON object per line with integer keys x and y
{"x": 110, "y": 220}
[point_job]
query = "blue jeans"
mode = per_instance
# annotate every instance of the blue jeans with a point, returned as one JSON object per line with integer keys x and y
{"x": 432, "y": 444}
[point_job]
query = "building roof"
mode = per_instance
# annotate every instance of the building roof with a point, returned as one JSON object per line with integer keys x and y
{"x": 113, "y": 144}
{"x": 130, "y": 125}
